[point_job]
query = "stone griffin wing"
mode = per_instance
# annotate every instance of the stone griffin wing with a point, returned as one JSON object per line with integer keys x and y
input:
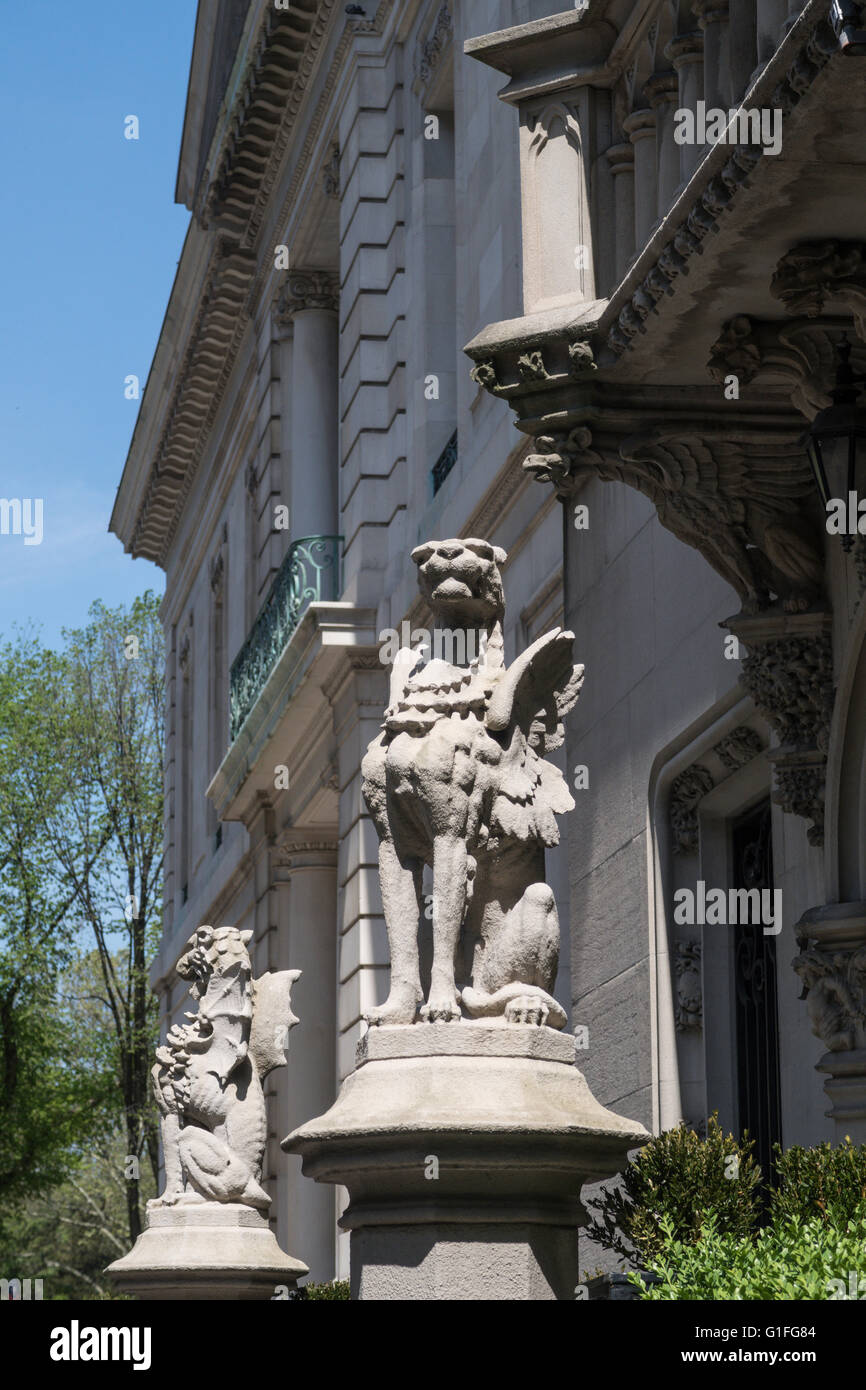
{"x": 740, "y": 502}
{"x": 537, "y": 691}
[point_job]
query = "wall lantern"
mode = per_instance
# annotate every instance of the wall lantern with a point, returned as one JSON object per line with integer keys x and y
{"x": 836, "y": 439}
{"x": 845, "y": 20}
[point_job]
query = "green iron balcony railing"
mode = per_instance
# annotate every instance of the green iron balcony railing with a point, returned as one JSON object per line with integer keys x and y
{"x": 310, "y": 573}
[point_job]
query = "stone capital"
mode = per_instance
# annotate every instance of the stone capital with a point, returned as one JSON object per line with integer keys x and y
{"x": 662, "y": 89}
{"x": 710, "y": 12}
{"x": 640, "y": 124}
{"x": 307, "y": 289}
{"x": 620, "y": 158}
{"x": 685, "y": 49}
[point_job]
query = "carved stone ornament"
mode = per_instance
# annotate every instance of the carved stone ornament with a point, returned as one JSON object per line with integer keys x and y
{"x": 816, "y": 272}
{"x": 687, "y": 792}
{"x": 689, "y": 1006}
{"x": 331, "y": 173}
{"x": 788, "y": 671}
{"x": 458, "y": 780}
{"x": 739, "y": 499}
{"x": 800, "y": 352}
{"x": 432, "y": 48}
{"x": 209, "y": 1072}
{"x": 307, "y": 289}
{"x": 207, "y": 1235}
{"x": 834, "y": 983}
{"x": 738, "y": 747}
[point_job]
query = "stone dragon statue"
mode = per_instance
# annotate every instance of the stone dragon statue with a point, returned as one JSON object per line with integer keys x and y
{"x": 457, "y": 780}
{"x": 208, "y": 1075}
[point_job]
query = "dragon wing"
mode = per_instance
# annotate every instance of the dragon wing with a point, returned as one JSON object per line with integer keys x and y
{"x": 537, "y": 691}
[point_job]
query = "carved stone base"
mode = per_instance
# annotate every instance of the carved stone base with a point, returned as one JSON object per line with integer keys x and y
{"x": 212, "y": 1251}
{"x": 464, "y": 1147}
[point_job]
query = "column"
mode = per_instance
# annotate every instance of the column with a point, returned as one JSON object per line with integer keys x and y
{"x": 662, "y": 91}
{"x": 713, "y": 22}
{"x": 640, "y": 127}
{"x": 621, "y": 159}
{"x": 310, "y": 302}
{"x": 770, "y": 26}
{"x": 742, "y": 37}
{"x": 304, "y": 876}
{"x": 686, "y": 52}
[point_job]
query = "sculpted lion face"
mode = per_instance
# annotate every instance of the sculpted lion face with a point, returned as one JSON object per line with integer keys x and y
{"x": 460, "y": 580}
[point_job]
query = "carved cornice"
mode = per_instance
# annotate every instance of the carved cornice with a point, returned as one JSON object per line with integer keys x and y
{"x": 689, "y": 1012}
{"x": 276, "y": 76}
{"x": 816, "y": 272}
{"x": 788, "y": 671}
{"x": 307, "y": 289}
{"x": 200, "y": 379}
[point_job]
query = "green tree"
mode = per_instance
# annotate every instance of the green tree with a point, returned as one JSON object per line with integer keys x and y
{"x": 106, "y": 834}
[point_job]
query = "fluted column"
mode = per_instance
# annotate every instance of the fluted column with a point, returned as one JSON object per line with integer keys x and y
{"x": 713, "y": 22}
{"x": 640, "y": 127}
{"x": 686, "y": 52}
{"x": 662, "y": 91}
{"x": 620, "y": 158}
{"x": 310, "y": 302}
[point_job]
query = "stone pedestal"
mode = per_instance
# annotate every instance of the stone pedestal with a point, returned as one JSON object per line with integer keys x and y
{"x": 464, "y": 1147}
{"x": 210, "y": 1250}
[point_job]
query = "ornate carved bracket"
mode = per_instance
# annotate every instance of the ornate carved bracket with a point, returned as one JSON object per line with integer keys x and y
{"x": 740, "y": 498}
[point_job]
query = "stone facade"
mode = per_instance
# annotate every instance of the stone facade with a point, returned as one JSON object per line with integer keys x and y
{"x": 363, "y": 206}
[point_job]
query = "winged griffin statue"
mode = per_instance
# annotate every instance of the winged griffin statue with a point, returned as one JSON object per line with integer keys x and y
{"x": 458, "y": 780}
{"x": 208, "y": 1075}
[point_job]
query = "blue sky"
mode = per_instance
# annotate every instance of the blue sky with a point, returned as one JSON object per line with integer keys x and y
{"x": 89, "y": 243}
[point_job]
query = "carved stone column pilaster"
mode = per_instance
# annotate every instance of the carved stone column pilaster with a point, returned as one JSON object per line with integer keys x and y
{"x": 832, "y": 968}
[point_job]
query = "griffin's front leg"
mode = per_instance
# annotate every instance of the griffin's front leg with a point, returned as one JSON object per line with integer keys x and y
{"x": 401, "y": 900}
{"x": 449, "y": 906}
